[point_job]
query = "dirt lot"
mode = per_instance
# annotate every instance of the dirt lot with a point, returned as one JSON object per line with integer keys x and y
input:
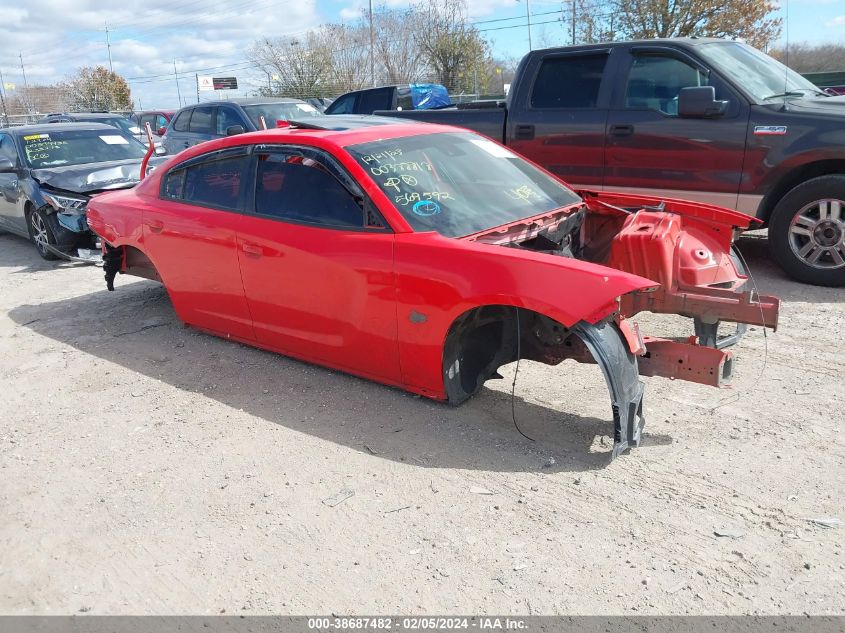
{"x": 148, "y": 468}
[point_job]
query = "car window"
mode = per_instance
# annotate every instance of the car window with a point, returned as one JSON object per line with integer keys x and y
{"x": 161, "y": 121}
{"x": 570, "y": 81}
{"x": 151, "y": 119}
{"x": 215, "y": 182}
{"x": 201, "y": 120}
{"x": 655, "y": 81}
{"x": 180, "y": 123}
{"x": 295, "y": 187}
{"x": 226, "y": 117}
{"x": 343, "y": 105}
{"x": 7, "y": 148}
{"x": 372, "y": 100}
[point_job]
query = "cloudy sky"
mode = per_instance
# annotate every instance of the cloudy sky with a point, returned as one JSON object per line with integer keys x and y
{"x": 209, "y": 37}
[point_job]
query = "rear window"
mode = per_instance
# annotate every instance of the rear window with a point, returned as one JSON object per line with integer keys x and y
{"x": 79, "y": 147}
{"x": 570, "y": 81}
{"x": 180, "y": 123}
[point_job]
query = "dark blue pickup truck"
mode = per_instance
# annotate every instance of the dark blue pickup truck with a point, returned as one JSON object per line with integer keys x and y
{"x": 709, "y": 120}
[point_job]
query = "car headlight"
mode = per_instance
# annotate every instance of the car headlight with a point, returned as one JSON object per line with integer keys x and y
{"x": 66, "y": 204}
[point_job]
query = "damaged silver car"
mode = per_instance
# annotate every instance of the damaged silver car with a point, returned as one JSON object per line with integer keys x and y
{"x": 49, "y": 172}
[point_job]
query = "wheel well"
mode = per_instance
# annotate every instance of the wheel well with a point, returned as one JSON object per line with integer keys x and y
{"x": 484, "y": 338}
{"x": 794, "y": 178}
{"x": 136, "y": 262}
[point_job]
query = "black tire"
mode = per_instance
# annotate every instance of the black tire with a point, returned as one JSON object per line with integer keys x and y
{"x": 807, "y": 232}
{"x": 40, "y": 230}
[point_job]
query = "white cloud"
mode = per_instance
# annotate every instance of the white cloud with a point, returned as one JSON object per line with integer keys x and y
{"x": 146, "y": 37}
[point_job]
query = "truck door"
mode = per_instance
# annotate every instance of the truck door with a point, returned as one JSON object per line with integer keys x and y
{"x": 651, "y": 150}
{"x": 559, "y": 121}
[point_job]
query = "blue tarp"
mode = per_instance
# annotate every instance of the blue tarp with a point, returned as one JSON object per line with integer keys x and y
{"x": 428, "y": 96}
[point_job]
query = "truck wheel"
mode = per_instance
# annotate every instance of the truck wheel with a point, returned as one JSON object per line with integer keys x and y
{"x": 807, "y": 232}
{"x": 41, "y": 234}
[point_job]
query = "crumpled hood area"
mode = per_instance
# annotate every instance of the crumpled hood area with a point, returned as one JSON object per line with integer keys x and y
{"x": 93, "y": 177}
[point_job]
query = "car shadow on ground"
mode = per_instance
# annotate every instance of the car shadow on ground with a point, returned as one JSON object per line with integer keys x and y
{"x": 771, "y": 280}
{"x": 136, "y": 327}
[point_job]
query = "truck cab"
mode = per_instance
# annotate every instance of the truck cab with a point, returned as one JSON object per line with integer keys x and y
{"x": 707, "y": 120}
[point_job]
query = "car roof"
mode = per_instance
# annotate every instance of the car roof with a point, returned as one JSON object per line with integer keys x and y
{"x": 246, "y": 101}
{"x": 675, "y": 41}
{"x": 349, "y": 130}
{"x": 87, "y": 115}
{"x": 36, "y": 128}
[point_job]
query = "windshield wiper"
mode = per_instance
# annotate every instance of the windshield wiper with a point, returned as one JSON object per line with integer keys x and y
{"x": 793, "y": 93}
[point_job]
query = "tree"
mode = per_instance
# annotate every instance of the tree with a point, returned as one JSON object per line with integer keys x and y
{"x": 36, "y": 99}
{"x": 746, "y": 19}
{"x": 806, "y": 58}
{"x": 455, "y": 50}
{"x": 96, "y": 88}
{"x": 301, "y": 65}
{"x": 399, "y": 57}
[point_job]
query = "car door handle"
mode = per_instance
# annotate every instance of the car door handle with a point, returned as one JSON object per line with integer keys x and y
{"x": 155, "y": 226}
{"x": 622, "y": 130}
{"x": 252, "y": 249}
{"x": 524, "y": 132}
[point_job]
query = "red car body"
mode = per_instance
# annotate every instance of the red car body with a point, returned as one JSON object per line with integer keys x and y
{"x": 431, "y": 314}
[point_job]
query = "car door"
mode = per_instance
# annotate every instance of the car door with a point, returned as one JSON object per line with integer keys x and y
{"x": 11, "y": 193}
{"x": 563, "y": 126}
{"x": 319, "y": 283}
{"x": 190, "y": 234}
{"x": 650, "y": 149}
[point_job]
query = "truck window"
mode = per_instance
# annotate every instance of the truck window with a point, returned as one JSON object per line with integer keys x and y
{"x": 570, "y": 81}
{"x": 343, "y": 105}
{"x": 655, "y": 81}
{"x": 372, "y": 100}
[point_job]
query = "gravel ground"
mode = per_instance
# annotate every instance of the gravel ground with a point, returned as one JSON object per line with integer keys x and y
{"x": 146, "y": 468}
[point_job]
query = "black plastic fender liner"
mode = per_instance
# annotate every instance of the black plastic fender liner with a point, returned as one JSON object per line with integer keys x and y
{"x": 619, "y": 366}
{"x": 112, "y": 263}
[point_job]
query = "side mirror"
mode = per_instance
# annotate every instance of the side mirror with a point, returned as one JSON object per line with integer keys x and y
{"x": 235, "y": 129}
{"x": 160, "y": 131}
{"x": 6, "y": 165}
{"x": 699, "y": 102}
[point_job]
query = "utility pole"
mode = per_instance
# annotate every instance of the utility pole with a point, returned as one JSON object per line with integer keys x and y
{"x": 108, "y": 46}
{"x": 372, "y": 47}
{"x": 197, "y": 77}
{"x": 178, "y": 91}
{"x": 573, "y": 22}
{"x": 528, "y": 16}
{"x": 3, "y": 99}
{"x": 25, "y": 86}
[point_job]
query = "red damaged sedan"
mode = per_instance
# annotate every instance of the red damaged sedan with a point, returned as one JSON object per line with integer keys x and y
{"x": 425, "y": 257}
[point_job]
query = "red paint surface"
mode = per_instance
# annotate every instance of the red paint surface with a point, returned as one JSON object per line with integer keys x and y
{"x": 345, "y": 299}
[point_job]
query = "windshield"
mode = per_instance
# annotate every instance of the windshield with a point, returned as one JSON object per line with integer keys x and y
{"x": 122, "y": 123}
{"x": 459, "y": 183}
{"x": 78, "y": 147}
{"x": 273, "y": 112}
{"x": 760, "y": 75}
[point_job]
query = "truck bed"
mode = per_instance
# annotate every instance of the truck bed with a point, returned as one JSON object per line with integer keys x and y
{"x": 487, "y": 121}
